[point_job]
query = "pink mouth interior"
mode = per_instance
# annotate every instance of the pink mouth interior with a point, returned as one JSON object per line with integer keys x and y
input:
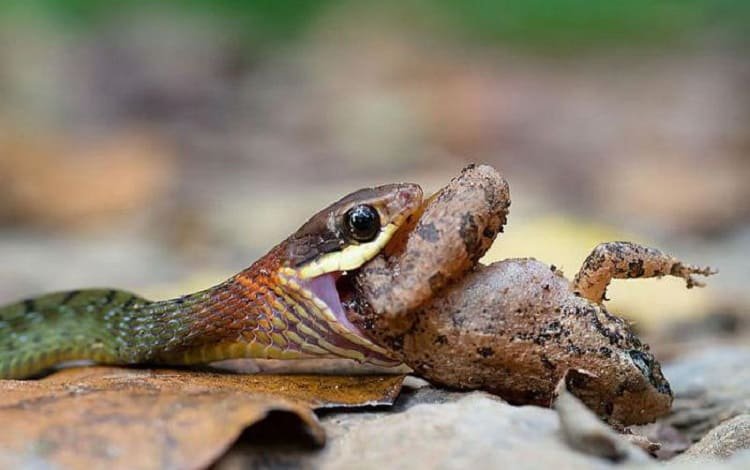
{"x": 324, "y": 287}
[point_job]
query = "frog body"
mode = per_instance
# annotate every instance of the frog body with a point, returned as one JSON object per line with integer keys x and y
{"x": 516, "y": 327}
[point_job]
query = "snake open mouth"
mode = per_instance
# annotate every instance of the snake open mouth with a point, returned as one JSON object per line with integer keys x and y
{"x": 328, "y": 279}
{"x": 335, "y": 296}
{"x": 334, "y": 289}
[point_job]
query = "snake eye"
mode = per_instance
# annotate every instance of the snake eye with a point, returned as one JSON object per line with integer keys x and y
{"x": 362, "y": 223}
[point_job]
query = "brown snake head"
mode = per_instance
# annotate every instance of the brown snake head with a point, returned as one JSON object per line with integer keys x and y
{"x": 352, "y": 230}
{"x": 316, "y": 260}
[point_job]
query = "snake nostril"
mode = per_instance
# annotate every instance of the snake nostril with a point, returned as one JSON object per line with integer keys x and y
{"x": 409, "y": 194}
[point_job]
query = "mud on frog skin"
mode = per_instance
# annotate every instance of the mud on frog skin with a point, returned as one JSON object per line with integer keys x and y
{"x": 516, "y": 327}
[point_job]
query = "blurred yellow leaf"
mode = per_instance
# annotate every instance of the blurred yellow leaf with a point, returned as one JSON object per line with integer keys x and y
{"x": 566, "y": 242}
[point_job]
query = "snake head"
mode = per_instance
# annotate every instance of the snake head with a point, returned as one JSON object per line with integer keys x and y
{"x": 352, "y": 230}
{"x": 320, "y": 256}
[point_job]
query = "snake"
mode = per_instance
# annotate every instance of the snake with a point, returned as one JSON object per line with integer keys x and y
{"x": 289, "y": 304}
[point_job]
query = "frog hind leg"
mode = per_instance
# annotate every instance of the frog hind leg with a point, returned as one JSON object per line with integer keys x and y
{"x": 626, "y": 260}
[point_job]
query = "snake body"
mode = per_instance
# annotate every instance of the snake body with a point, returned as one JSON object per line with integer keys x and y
{"x": 285, "y": 306}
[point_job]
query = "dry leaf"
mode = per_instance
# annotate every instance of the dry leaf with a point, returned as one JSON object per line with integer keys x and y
{"x": 133, "y": 418}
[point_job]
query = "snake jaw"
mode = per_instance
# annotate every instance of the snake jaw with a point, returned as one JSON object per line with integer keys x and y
{"x": 324, "y": 303}
{"x": 318, "y": 280}
{"x": 325, "y": 288}
{"x": 324, "y": 284}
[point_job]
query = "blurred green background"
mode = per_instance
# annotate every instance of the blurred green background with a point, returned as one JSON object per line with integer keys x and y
{"x": 162, "y": 146}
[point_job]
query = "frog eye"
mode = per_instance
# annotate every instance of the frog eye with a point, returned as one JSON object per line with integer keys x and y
{"x": 362, "y": 223}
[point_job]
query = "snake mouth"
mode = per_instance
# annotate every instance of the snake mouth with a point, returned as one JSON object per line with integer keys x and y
{"x": 333, "y": 294}
{"x": 334, "y": 289}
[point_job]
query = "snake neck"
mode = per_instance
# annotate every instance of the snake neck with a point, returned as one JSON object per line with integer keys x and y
{"x": 251, "y": 315}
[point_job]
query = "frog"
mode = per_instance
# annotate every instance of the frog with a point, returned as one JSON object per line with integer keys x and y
{"x": 515, "y": 327}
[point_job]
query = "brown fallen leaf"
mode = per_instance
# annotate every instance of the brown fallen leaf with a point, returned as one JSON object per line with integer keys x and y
{"x": 104, "y": 417}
